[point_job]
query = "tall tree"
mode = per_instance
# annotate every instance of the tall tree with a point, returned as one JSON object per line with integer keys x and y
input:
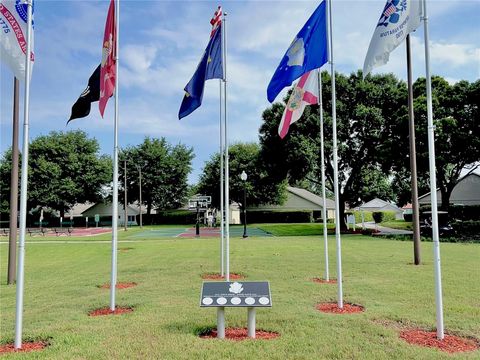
{"x": 369, "y": 114}
{"x": 165, "y": 169}
{"x": 261, "y": 188}
{"x": 456, "y": 110}
{"x": 65, "y": 168}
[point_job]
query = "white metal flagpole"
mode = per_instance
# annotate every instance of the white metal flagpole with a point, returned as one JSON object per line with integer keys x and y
{"x": 24, "y": 185}
{"x": 113, "y": 276}
{"x": 222, "y": 189}
{"x": 433, "y": 182}
{"x": 335, "y": 163}
{"x": 322, "y": 160}
{"x": 227, "y": 195}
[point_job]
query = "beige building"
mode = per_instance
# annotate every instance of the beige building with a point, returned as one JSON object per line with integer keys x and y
{"x": 466, "y": 192}
{"x": 381, "y": 205}
{"x": 105, "y": 210}
{"x": 300, "y": 199}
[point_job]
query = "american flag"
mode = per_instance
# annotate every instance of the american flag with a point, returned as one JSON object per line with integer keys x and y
{"x": 216, "y": 20}
{"x": 391, "y": 9}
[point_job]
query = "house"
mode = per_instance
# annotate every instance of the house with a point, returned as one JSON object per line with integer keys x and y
{"x": 381, "y": 205}
{"x": 466, "y": 192}
{"x": 299, "y": 199}
{"x": 104, "y": 210}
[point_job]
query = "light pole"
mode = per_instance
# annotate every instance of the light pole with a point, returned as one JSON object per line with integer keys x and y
{"x": 125, "y": 205}
{"x": 243, "y": 176}
{"x": 139, "y": 168}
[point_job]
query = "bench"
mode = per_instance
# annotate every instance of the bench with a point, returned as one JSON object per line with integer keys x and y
{"x": 60, "y": 231}
{"x": 36, "y": 231}
{"x": 5, "y": 232}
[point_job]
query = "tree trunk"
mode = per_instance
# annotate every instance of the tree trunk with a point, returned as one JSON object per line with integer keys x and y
{"x": 446, "y": 193}
{"x": 149, "y": 208}
{"x": 343, "y": 224}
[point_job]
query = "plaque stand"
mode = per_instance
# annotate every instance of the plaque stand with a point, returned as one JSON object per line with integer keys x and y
{"x": 221, "y": 323}
{"x": 251, "y": 322}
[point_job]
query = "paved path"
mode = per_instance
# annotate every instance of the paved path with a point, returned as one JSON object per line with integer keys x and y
{"x": 386, "y": 230}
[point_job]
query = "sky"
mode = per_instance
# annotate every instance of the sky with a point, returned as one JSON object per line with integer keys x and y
{"x": 161, "y": 43}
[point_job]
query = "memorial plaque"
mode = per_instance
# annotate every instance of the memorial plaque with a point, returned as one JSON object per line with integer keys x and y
{"x": 236, "y": 294}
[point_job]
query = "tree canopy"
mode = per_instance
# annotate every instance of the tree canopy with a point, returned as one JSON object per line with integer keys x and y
{"x": 164, "y": 169}
{"x": 65, "y": 168}
{"x": 369, "y": 115}
{"x": 260, "y": 186}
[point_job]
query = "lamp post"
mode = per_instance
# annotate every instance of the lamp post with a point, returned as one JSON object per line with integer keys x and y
{"x": 139, "y": 168}
{"x": 243, "y": 176}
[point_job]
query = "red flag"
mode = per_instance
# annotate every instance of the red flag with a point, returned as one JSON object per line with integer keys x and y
{"x": 109, "y": 59}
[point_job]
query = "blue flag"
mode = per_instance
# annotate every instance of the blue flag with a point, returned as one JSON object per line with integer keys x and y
{"x": 308, "y": 51}
{"x": 210, "y": 67}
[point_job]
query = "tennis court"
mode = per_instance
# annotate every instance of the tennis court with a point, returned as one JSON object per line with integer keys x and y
{"x": 190, "y": 232}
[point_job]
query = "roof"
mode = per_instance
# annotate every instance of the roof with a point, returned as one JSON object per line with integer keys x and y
{"x": 378, "y": 204}
{"x": 461, "y": 179}
{"x": 309, "y": 196}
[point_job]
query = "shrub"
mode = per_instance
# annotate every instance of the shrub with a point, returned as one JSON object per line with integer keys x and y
{"x": 463, "y": 212}
{"x": 408, "y": 217}
{"x": 378, "y": 216}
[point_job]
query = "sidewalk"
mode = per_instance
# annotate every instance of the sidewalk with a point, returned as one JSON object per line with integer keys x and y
{"x": 385, "y": 230}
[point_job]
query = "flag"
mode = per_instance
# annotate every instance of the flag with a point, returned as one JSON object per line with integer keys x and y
{"x": 210, "y": 67}
{"x": 81, "y": 108}
{"x": 305, "y": 92}
{"x": 109, "y": 59}
{"x": 307, "y": 51}
{"x": 13, "y": 36}
{"x": 398, "y": 19}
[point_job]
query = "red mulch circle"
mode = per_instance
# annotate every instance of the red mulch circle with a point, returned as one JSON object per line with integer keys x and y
{"x": 323, "y": 281}
{"x": 334, "y": 309}
{"x": 450, "y": 343}
{"x": 26, "y": 347}
{"x": 233, "y": 276}
{"x": 239, "y": 334}
{"x": 124, "y": 285}
{"x": 106, "y": 311}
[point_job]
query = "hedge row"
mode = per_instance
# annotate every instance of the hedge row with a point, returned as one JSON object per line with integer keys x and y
{"x": 381, "y": 216}
{"x": 459, "y": 212}
{"x": 367, "y": 215}
{"x": 175, "y": 217}
{"x": 300, "y": 216}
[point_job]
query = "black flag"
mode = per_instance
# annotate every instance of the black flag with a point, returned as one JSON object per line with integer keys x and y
{"x": 81, "y": 108}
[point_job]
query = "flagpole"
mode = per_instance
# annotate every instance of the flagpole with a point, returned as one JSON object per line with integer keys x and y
{"x": 227, "y": 195}
{"x": 222, "y": 188}
{"x": 433, "y": 182}
{"x": 322, "y": 160}
{"x": 335, "y": 163}
{"x": 413, "y": 159}
{"x": 24, "y": 185}
{"x": 12, "y": 247}
{"x": 113, "y": 277}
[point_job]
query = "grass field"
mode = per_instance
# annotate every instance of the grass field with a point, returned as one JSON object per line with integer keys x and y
{"x": 61, "y": 288}
{"x": 294, "y": 229}
{"x": 398, "y": 224}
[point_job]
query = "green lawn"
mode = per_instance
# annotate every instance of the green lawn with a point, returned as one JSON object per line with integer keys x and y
{"x": 294, "y": 229}
{"x": 61, "y": 287}
{"x": 398, "y": 224}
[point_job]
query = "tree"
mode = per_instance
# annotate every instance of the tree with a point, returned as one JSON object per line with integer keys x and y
{"x": 64, "y": 169}
{"x": 456, "y": 111}
{"x": 261, "y": 188}
{"x": 165, "y": 169}
{"x": 371, "y": 114}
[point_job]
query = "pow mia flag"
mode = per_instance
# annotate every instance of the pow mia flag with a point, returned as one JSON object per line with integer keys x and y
{"x": 82, "y": 106}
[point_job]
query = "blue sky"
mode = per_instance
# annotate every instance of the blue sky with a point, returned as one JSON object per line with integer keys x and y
{"x": 161, "y": 43}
